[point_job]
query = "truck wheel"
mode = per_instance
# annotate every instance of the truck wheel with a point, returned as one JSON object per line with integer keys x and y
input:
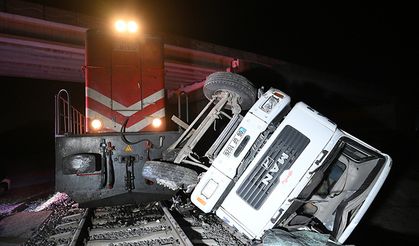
{"x": 169, "y": 175}
{"x": 232, "y": 83}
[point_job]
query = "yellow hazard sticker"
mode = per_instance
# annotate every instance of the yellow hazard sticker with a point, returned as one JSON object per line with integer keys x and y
{"x": 128, "y": 149}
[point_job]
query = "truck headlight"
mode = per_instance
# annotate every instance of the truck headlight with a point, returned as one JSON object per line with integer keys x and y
{"x": 269, "y": 104}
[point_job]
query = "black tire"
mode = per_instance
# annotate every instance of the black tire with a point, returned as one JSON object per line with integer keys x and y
{"x": 232, "y": 83}
{"x": 170, "y": 175}
{"x": 170, "y": 154}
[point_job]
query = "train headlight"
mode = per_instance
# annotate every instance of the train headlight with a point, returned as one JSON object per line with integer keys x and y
{"x": 96, "y": 124}
{"x": 132, "y": 26}
{"x": 156, "y": 122}
{"x": 120, "y": 26}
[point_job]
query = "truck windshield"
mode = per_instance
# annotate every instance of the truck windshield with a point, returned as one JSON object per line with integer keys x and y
{"x": 332, "y": 175}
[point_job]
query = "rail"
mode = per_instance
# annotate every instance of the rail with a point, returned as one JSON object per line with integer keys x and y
{"x": 155, "y": 223}
{"x": 68, "y": 120}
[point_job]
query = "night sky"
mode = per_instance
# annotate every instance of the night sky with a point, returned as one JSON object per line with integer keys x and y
{"x": 375, "y": 45}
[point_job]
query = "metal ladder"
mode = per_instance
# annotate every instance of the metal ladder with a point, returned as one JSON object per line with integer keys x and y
{"x": 68, "y": 120}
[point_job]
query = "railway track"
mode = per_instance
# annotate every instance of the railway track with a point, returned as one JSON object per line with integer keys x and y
{"x": 158, "y": 223}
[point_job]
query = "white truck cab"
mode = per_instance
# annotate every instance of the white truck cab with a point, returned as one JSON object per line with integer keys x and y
{"x": 274, "y": 166}
{"x": 307, "y": 175}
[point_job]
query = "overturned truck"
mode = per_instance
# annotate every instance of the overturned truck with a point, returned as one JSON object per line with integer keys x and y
{"x": 274, "y": 166}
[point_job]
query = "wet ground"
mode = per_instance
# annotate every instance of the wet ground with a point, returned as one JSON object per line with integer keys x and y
{"x": 17, "y": 228}
{"x": 18, "y": 218}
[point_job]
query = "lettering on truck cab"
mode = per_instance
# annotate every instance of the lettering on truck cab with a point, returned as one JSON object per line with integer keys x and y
{"x": 274, "y": 169}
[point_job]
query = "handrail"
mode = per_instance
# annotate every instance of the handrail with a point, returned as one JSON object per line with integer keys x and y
{"x": 179, "y": 104}
{"x": 68, "y": 120}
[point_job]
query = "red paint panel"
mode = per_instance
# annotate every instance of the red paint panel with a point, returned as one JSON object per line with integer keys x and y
{"x": 137, "y": 70}
{"x": 98, "y": 61}
{"x": 152, "y": 66}
{"x": 126, "y": 73}
{"x": 147, "y": 111}
{"x": 126, "y": 70}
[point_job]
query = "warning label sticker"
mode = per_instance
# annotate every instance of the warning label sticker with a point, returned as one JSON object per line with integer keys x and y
{"x": 128, "y": 149}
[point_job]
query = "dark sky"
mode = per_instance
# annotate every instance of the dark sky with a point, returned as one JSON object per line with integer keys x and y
{"x": 369, "y": 42}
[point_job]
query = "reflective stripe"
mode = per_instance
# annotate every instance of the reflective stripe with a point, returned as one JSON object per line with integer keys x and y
{"x": 143, "y": 123}
{"x": 99, "y": 97}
